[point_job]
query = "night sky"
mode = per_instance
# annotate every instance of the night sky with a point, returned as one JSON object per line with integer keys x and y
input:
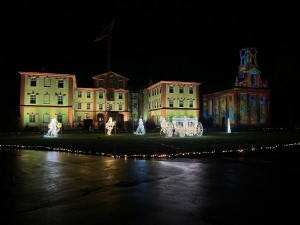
{"x": 155, "y": 40}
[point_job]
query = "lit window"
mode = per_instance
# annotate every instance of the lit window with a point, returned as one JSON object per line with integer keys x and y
{"x": 46, "y": 98}
{"x": 60, "y": 100}
{"x": 47, "y": 82}
{"x": 31, "y": 118}
{"x": 120, "y": 106}
{"x": 60, "y": 83}
{"x": 32, "y": 98}
{"x": 46, "y": 118}
{"x": 180, "y": 103}
{"x": 59, "y": 118}
{"x": 33, "y": 81}
{"x": 120, "y": 95}
{"x": 181, "y": 89}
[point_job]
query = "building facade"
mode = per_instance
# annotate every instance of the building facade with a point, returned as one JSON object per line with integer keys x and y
{"x": 49, "y": 95}
{"x": 247, "y": 103}
{"x": 44, "y": 96}
{"x": 171, "y": 99}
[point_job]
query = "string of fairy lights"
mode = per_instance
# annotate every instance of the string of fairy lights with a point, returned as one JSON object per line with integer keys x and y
{"x": 239, "y": 150}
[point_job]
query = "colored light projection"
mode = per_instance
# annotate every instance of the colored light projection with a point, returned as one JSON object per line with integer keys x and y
{"x": 141, "y": 129}
{"x": 53, "y": 128}
{"x": 216, "y": 110}
{"x": 253, "y": 109}
{"x": 109, "y": 126}
{"x": 243, "y": 108}
{"x": 231, "y": 107}
{"x": 223, "y": 107}
{"x": 263, "y": 109}
{"x": 205, "y": 109}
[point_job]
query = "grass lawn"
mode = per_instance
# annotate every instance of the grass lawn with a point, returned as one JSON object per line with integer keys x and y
{"x": 121, "y": 144}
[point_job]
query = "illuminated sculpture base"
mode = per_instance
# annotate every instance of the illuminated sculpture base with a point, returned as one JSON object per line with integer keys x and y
{"x": 141, "y": 129}
{"x": 53, "y": 129}
{"x": 181, "y": 127}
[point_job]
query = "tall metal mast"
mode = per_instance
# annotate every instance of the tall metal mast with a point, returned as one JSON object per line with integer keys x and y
{"x": 106, "y": 33}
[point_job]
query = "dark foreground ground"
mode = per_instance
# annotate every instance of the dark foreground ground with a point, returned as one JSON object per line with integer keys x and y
{"x": 156, "y": 145}
{"x": 53, "y": 187}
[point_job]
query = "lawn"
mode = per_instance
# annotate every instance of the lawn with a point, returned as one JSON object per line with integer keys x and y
{"x": 154, "y": 144}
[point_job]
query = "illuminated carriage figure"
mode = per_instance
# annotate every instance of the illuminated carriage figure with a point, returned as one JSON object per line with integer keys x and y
{"x": 181, "y": 127}
{"x": 187, "y": 127}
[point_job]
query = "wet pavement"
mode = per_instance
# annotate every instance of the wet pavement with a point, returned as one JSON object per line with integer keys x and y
{"x": 47, "y": 187}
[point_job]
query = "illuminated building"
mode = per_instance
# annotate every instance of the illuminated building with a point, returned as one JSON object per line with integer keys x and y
{"x": 44, "y": 96}
{"x": 51, "y": 95}
{"x": 247, "y": 104}
{"x": 171, "y": 99}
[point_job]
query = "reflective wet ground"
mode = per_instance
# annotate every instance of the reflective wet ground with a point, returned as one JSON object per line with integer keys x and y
{"x": 40, "y": 187}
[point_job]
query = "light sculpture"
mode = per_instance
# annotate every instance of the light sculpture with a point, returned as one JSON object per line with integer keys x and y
{"x": 181, "y": 127}
{"x": 53, "y": 128}
{"x": 109, "y": 125}
{"x": 228, "y": 126}
{"x": 141, "y": 129}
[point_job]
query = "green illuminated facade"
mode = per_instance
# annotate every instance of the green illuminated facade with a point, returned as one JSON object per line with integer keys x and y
{"x": 44, "y": 96}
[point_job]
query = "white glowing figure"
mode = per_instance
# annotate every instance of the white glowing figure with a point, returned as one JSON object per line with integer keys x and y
{"x": 141, "y": 129}
{"x": 181, "y": 127}
{"x": 163, "y": 124}
{"x": 110, "y": 125}
{"x": 228, "y": 126}
{"x": 53, "y": 128}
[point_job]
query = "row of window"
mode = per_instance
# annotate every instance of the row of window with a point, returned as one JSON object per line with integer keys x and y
{"x": 157, "y": 90}
{"x": 181, "y": 90}
{"x": 100, "y": 94}
{"x": 46, "y": 118}
{"x": 60, "y": 99}
{"x": 157, "y": 104}
{"x": 47, "y": 82}
{"x": 101, "y": 106}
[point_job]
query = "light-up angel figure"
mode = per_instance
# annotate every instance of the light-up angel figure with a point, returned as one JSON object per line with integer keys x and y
{"x": 163, "y": 124}
{"x": 141, "y": 129}
{"x": 53, "y": 128}
{"x": 110, "y": 125}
